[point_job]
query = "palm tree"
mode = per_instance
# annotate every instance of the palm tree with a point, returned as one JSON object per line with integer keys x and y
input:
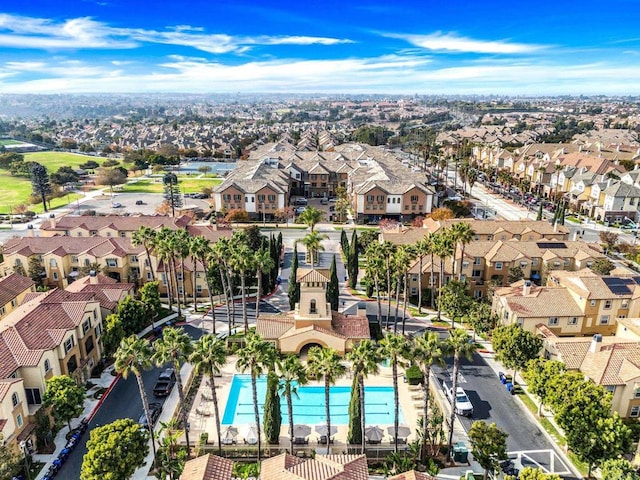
{"x": 394, "y": 347}
{"x": 200, "y": 250}
{"x": 387, "y": 251}
{"x": 263, "y": 263}
{"x": 443, "y": 249}
{"x": 325, "y": 363}
{"x": 175, "y": 347}
{"x": 292, "y": 374}
{"x": 313, "y": 243}
{"x": 426, "y": 350}
{"x": 256, "y": 357}
{"x": 220, "y": 254}
{"x": 558, "y": 168}
{"x": 459, "y": 344}
{"x": 134, "y": 356}
{"x": 462, "y": 234}
{"x": 422, "y": 249}
{"x": 164, "y": 251}
{"x": 181, "y": 244}
{"x": 242, "y": 262}
{"x": 170, "y": 462}
{"x": 402, "y": 261}
{"x": 364, "y": 358}
{"x": 375, "y": 271}
{"x": 145, "y": 236}
{"x": 311, "y": 217}
{"x": 208, "y": 357}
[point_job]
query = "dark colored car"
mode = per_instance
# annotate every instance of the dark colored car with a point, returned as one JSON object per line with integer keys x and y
{"x": 139, "y": 202}
{"x": 155, "y": 409}
{"x": 165, "y": 383}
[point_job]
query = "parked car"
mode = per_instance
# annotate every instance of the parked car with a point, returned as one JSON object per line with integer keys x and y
{"x": 116, "y": 205}
{"x": 463, "y": 404}
{"x": 324, "y": 201}
{"x": 300, "y": 201}
{"x": 139, "y": 202}
{"x": 165, "y": 383}
{"x": 155, "y": 409}
{"x": 299, "y": 210}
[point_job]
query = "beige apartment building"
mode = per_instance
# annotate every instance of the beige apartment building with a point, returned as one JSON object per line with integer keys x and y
{"x": 108, "y": 226}
{"x": 13, "y": 289}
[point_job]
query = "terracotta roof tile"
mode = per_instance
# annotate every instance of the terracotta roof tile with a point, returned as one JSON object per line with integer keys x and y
{"x": 12, "y": 285}
{"x": 412, "y": 475}
{"x": 208, "y": 467}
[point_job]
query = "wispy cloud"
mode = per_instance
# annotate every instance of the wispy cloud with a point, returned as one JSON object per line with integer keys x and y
{"x": 87, "y": 33}
{"x": 451, "y": 42}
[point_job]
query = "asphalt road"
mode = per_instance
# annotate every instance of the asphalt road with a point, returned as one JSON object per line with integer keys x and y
{"x": 122, "y": 402}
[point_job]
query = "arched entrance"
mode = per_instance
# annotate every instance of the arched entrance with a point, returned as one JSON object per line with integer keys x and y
{"x": 304, "y": 349}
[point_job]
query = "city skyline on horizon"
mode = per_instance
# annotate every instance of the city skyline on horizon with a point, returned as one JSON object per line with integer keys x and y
{"x": 113, "y": 46}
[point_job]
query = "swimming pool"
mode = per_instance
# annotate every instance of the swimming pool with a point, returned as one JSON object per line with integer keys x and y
{"x": 309, "y": 407}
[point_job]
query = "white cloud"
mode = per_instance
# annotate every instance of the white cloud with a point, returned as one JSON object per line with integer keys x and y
{"x": 86, "y": 33}
{"x": 450, "y": 42}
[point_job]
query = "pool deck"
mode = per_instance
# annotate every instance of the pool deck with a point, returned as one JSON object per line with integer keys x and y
{"x": 202, "y": 418}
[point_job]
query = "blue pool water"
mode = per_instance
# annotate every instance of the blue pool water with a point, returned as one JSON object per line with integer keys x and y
{"x": 309, "y": 407}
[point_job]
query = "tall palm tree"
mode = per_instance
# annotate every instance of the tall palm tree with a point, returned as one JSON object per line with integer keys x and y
{"x": 395, "y": 348}
{"x": 387, "y": 251}
{"x": 170, "y": 463}
{"x": 558, "y": 168}
{"x": 220, "y": 255}
{"x": 422, "y": 250}
{"x": 463, "y": 234}
{"x": 208, "y": 357}
{"x": 427, "y": 349}
{"x": 444, "y": 250}
{"x": 263, "y": 263}
{"x": 434, "y": 240}
{"x": 256, "y": 357}
{"x": 145, "y": 236}
{"x": 175, "y": 347}
{"x": 292, "y": 374}
{"x": 375, "y": 271}
{"x": 325, "y": 363}
{"x": 311, "y": 217}
{"x": 459, "y": 344}
{"x": 242, "y": 263}
{"x": 182, "y": 252}
{"x": 164, "y": 251}
{"x": 201, "y": 251}
{"x": 365, "y": 358}
{"x": 133, "y": 356}
{"x": 401, "y": 262}
{"x": 313, "y": 243}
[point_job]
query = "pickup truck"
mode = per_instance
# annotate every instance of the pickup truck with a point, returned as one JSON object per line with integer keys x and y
{"x": 463, "y": 404}
{"x": 165, "y": 382}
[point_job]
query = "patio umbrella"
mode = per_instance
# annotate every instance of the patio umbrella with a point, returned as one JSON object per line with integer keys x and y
{"x": 250, "y": 434}
{"x": 374, "y": 434}
{"x": 322, "y": 430}
{"x": 403, "y": 431}
{"x": 301, "y": 431}
{"x": 229, "y": 434}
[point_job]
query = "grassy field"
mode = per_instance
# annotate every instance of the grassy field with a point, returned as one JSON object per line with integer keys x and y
{"x": 54, "y": 160}
{"x": 193, "y": 185}
{"x": 9, "y": 142}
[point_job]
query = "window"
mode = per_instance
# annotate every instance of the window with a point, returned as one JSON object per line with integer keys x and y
{"x": 312, "y": 307}
{"x": 261, "y": 198}
{"x": 98, "y": 330}
{"x": 237, "y": 198}
{"x": 489, "y": 237}
{"x": 53, "y": 263}
{"x": 477, "y": 261}
{"x": 47, "y": 365}
{"x": 553, "y": 320}
{"x": 414, "y": 199}
{"x": 534, "y": 262}
{"x": 86, "y": 262}
{"x": 55, "y": 275}
{"x": 74, "y": 259}
{"x": 19, "y": 420}
{"x": 226, "y": 197}
{"x": 593, "y": 303}
{"x": 523, "y": 264}
{"x": 33, "y": 396}
{"x": 465, "y": 264}
{"x": 476, "y": 273}
{"x": 573, "y": 321}
{"x": 567, "y": 262}
{"x": 148, "y": 275}
{"x": 498, "y": 265}
{"x": 134, "y": 258}
{"x": 477, "y": 294}
{"x": 636, "y": 393}
{"x": 68, "y": 344}
{"x": 604, "y": 320}
{"x": 112, "y": 262}
{"x": 370, "y": 198}
{"x": 635, "y": 410}
{"x": 607, "y": 304}
{"x": 88, "y": 346}
{"x": 272, "y": 198}
{"x": 380, "y": 198}
{"x": 610, "y": 388}
{"x": 14, "y": 302}
{"x": 15, "y": 400}
{"x": 123, "y": 234}
{"x": 199, "y": 289}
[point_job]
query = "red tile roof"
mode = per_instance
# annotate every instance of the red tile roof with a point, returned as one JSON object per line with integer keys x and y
{"x": 208, "y": 467}
{"x": 13, "y": 285}
{"x": 322, "y": 467}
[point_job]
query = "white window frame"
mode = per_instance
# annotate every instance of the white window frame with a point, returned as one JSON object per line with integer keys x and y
{"x": 553, "y": 321}
{"x": 498, "y": 266}
{"x": 573, "y": 321}
{"x": 604, "y": 319}
{"x": 69, "y": 343}
{"x": 15, "y": 399}
{"x": 593, "y": 303}
{"x": 635, "y": 411}
{"x": 47, "y": 365}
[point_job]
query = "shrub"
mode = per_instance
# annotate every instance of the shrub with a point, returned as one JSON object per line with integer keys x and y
{"x": 414, "y": 375}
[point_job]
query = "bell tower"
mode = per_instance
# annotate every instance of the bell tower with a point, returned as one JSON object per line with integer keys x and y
{"x": 313, "y": 308}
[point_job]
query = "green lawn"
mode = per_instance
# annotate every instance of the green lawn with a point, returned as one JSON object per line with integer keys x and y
{"x": 193, "y": 185}
{"x": 9, "y": 142}
{"x": 55, "y": 160}
{"x": 14, "y": 190}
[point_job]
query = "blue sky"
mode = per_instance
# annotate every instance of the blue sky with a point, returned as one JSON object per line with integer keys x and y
{"x": 352, "y": 46}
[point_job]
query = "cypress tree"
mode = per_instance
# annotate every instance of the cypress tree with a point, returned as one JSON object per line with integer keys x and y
{"x": 539, "y": 217}
{"x": 294, "y": 288}
{"x": 344, "y": 243}
{"x": 275, "y": 256}
{"x": 354, "y": 437}
{"x": 279, "y": 244}
{"x": 333, "y": 292}
{"x": 352, "y": 260}
{"x": 272, "y": 415}
{"x": 562, "y": 214}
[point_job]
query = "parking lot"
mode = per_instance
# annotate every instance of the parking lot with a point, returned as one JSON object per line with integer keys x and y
{"x": 122, "y": 203}
{"x": 315, "y": 202}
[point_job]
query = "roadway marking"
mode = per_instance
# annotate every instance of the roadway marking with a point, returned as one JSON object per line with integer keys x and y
{"x": 554, "y": 460}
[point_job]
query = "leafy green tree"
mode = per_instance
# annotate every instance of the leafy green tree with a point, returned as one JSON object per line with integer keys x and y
{"x": 40, "y": 183}
{"x": 114, "y": 332}
{"x": 150, "y": 297}
{"x": 488, "y": 445}
{"x": 365, "y": 358}
{"x": 352, "y": 262}
{"x": 333, "y": 292}
{"x": 292, "y": 374}
{"x": 65, "y": 397}
{"x": 10, "y": 462}
{"x": 395, "y": 348}
{"x": 114, "y": 451}
{"x": 208, "y": 357}
{"x": 172, "y": 192}
{"x": 294, "y": 286}
{"x": 602, "y": 266}
{"x": 617, "y": 469}
{"x": 515, "y": 274}
{"x": 36, "y": 271}
{"x": 110, "y": 177}
{"x": 64, "y": 175}
{"x": 171, "y": 456}
{"x": 454, "y": 299}
{"x": 133, "y": 314}
{"x": 538, "y": 375}
{"x": 529, "y": 473}
{"x": 132, "y": 357}
{"x": 480, "y": 317}
{"x": 539, "y": 216}
{"x": 515, "y": 346}
{"x": 272, "y": 419}
{"x": 311, "y": 217}
{"x": 324, "y": 363}
{"x": 256, "y": 357}
{"x": 175, "y": 347}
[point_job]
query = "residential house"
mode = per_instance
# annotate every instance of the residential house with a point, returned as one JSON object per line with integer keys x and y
{"x": 333, "y": 467}
{"x": 208, "y": 467}
{"x": 13, "y": 289}
{"x": 109, "y": 226}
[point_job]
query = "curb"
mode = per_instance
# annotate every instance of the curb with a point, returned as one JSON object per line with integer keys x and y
{"x": 104, "y": 396}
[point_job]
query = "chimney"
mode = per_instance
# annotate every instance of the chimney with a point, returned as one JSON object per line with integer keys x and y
{"x": 596, "y": 343}
{"x": 526, "y": 288}
{"x": 92, "y": 273}
{"x": 575, "y": 235}
{"x": 52, "y": 222}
